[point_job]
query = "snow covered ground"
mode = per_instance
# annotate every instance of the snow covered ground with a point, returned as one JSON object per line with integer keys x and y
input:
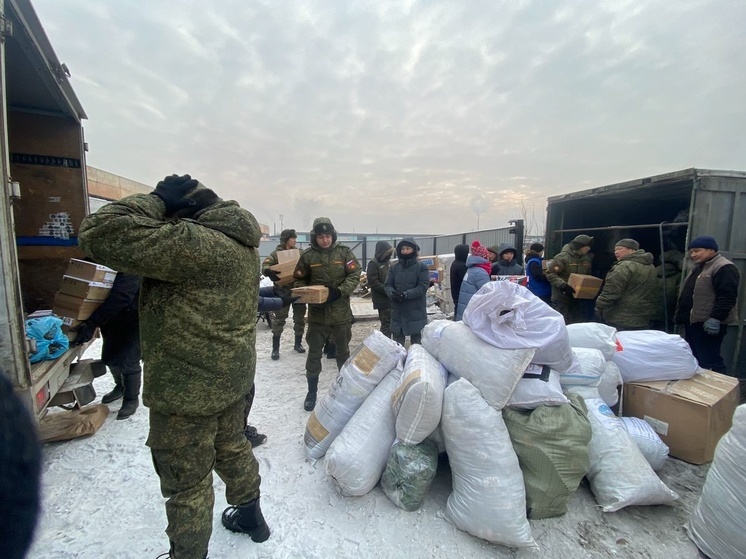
{"x": 102, "y": 498}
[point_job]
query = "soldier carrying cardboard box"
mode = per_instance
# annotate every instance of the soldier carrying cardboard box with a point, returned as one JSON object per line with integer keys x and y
{"x": 573, "y": 259}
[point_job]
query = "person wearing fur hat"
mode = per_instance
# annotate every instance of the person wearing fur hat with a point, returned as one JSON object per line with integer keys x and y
{"x": 377, "y": 272}
{"x": 477, "y": 274}
{"x": 406, "y": 284}
{"x": 574, "y": 258}
{"x": 708, "y": 301}
{"x": 334, "y": 265}
{"x": 287, "y": 242}
{"x": 198, "y": 259}
{"x": 628, "y": 298}
{"x": 538, "y": 284}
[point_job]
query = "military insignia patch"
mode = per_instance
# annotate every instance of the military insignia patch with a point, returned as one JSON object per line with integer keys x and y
{"x": 352, "y": 264}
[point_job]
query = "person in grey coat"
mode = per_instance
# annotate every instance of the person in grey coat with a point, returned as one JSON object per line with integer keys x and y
{"x": 406, "y": 285}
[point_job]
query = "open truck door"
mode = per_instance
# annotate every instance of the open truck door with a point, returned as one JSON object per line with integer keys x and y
{"x": 44, "y": 199}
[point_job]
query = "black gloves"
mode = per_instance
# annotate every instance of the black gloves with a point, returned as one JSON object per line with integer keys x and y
{"x": 271, "y": 274}
{"x": 334, "y": 294}
{"x": 567, "y": 290}
{"x": 286, "y": 295}
{"x": 84, "y": 332}
{"x": 172, "y": 191}
{"x": 198, "y": 201}
{"x": 398, "y": 296}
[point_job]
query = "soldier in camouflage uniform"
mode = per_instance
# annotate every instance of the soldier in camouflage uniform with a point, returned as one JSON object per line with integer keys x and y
{"x": 628, "y": 298}
{"x": 198, "y": 259}
{"x": 287, "y": 242}
{"x": 573, "y": 259}
{"x": 326, "y": 262}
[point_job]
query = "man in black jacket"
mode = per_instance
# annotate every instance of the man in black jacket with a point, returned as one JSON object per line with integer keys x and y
{"x": 378, "y": 269}
{"x": 118, "y": 319}
{"x": 458, "y": 271}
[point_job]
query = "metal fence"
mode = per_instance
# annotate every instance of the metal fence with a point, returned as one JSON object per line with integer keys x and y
{"x": 364, "y": 248}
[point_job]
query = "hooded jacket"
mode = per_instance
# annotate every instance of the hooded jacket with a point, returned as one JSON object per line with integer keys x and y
{"x": 335, "y": 266}
{"x": 458, "y": 271}
{"x": 377, "y": 272}
{"x": 411, "y": 277}
{"x": 628, "y": 297}
{"x": 475, "y": 278}
{"x": 568, "y": 261}
{"x": 198, "y": 299}
{"x": 502, "y": 268}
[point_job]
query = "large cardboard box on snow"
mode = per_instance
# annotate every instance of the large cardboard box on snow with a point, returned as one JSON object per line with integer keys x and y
{"x": 689, "y": 415}
{"x": 313, "y": 294}
{"x": 286, "y": 261}
{"x": 90, "y": 271}
{"x": 586, "y": 287}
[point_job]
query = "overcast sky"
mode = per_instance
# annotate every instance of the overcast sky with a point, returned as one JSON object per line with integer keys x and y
{"x": 405, "y": 116}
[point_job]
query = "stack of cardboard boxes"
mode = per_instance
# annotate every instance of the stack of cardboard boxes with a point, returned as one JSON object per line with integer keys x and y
{"x": 84, "y": 287}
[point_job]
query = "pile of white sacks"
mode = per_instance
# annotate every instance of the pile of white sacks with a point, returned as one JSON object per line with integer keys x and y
{"x": 520, "y": 403}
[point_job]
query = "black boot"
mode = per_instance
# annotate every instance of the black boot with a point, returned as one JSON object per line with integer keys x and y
{"x": 299, "y": 348}
{"x": 275, "y": 347}
{"x": 247, "y": 519}
{"x": 331, "y": 350}
{"x": 131, "y": 394}
{"x": 117, "y": 393}
{"x": 313, "y": 385}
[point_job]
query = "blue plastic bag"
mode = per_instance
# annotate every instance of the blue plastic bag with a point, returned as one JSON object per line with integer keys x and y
{"x": 51, "y": 341}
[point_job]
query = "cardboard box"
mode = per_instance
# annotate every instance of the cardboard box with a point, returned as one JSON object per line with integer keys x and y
{"x": 313, "y": 294}
{"x": 436, "y": 276}
{"x": 286, "y": 261}
{"x": 520, "y": 280}
{"x": 73, "y": 307}
{"x": 689, "y": 415}
{"x": 69, "y": 324}
{"x": 431, "y": 261}
{"x": 544, "y": 264}
{"x": 84, "y": 289}
{"x": 586, "y": 287}
{"x": 90, "y": 271}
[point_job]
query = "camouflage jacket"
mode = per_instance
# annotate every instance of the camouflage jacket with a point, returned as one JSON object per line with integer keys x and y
{"x": 335, "y": 266}
{"x": 567, "y": 262}
{"x": 271, "y": 260}
{"x": 198, "y": 299}
{"x": 628, "y": 298}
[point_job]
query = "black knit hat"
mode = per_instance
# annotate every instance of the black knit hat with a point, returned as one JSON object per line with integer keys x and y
{"x": 536, "y": 247}
{"x": 704, "y": 241}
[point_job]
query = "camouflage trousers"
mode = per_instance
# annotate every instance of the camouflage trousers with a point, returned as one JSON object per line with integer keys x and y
{"x": 185, "y": 451}
{"x": 299, "y": 319}
{"x": 317, "y": 336}
{"x": 571, "y": 309}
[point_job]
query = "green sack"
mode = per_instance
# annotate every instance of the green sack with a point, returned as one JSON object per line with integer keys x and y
{"x": 552, "y": 447}
{"x": 409, "y": 473}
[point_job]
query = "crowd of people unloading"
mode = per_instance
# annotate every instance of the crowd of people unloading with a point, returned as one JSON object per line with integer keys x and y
{"x": 189, "y": 281}
{"x": 631, "y": 297}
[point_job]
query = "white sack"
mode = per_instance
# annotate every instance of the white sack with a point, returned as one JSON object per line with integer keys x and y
{"x": 418, "y": 401}
{"x": 647, "y": 440}
{"x": 431, "y": 334}
{"x": 489, "y": 498}
{"x": 529, "y": 323}
{"x": 366, "y": 366}
{"x": 587, "y": 369}
{"x": 610, "y": 380}
{"x": 533, "y": 390}
{"x": 717, "y": 523}
{"x": 494, "y": 371}
{"x": 595, "y": 336}
{"x": 654, "y": 355}
{"x": 357, "y": 457}
{"x": 619, "y": 475}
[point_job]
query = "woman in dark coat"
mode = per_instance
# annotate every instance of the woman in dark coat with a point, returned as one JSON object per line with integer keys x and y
{"x": 458, "y": 271}
{"x": 407, "y": 284}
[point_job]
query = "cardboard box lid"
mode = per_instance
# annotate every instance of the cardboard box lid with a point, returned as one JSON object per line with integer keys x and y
{"x": 706, "y": 388}
{"x": 290, "y": 255}
{"x": 99, "y": 284}
{"x": 84, "y": 263}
